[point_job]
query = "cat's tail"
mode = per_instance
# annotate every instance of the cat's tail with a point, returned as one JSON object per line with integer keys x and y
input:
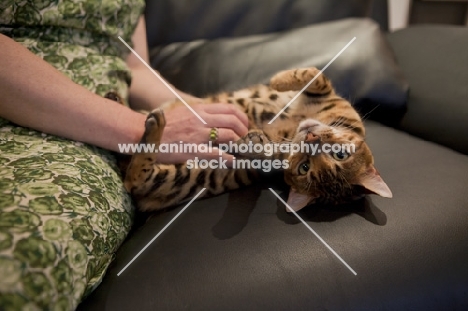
{"x": 296, "y": 79}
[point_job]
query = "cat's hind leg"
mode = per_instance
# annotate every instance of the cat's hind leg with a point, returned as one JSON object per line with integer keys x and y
{"x": 141, "y": 166}
{"x": 297, "y": 79}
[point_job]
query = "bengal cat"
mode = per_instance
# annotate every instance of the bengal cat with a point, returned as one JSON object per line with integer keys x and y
{"x": 317, "y": 116}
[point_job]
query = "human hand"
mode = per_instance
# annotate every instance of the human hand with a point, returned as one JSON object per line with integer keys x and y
{"x": 183, "y": 125}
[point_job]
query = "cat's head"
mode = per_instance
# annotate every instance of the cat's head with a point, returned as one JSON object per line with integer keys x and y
{"x": 337, "y": 172}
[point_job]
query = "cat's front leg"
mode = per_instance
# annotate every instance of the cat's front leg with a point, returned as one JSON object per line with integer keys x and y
{"x": 251, "y": 145}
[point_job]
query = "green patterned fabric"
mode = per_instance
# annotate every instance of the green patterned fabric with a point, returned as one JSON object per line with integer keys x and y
{"x": 63, "y": 209}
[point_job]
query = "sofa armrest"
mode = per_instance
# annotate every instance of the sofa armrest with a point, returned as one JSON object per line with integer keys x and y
{"x": 435, "y": 63}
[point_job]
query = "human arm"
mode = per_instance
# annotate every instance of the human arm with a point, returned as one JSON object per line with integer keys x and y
{"x": 147, "y": 92}
{"x": 34, "y": 94}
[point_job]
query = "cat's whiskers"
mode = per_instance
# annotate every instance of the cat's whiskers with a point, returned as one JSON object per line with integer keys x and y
{"x": 340, "y": 123}
{"x": 343, "y": 178}
{"x": 309, "y": 183}
{"x": 367, "y": 115}
{"x": 350, "y": 126}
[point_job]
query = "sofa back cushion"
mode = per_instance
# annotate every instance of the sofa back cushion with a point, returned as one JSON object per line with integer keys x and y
{"x": 171, "y": 21}
{"x": 366, "y": 73}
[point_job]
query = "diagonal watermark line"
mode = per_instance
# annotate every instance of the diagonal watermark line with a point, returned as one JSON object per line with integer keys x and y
{"x": 162, "y": 80}
{"x": 160, "y": 232}
{"x": 311, "y": 230}
{"x": 311, "y": 81}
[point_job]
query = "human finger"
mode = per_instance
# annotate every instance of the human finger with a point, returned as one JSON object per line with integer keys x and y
{"x": 222, "y": 108}
{"x": 221, "y": 135}
{"x": 226, "y": 121}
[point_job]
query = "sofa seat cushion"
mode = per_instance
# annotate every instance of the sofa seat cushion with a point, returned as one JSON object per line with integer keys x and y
{"x": 242, "y": 251}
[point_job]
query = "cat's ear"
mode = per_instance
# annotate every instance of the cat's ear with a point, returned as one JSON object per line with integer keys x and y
{"x": 297, "y": 200}
{"x": 373, "y": 183}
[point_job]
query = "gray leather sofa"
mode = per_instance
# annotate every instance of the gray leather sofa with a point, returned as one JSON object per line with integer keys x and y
{"x": 241, "y": 250}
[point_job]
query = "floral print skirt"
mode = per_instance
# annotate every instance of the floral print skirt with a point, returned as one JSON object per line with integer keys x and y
{"x": 63, "y": 208}
{"x": 63, "y": 214}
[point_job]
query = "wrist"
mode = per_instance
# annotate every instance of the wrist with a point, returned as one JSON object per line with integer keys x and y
{"x": 136, "y": 128}
{"x": 127, "y": 128}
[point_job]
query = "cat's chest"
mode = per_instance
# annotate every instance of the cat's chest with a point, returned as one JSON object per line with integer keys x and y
{"x": 289, "y": 112}
{"x": 285, "y": 110}
{"x": 302, "y": 109}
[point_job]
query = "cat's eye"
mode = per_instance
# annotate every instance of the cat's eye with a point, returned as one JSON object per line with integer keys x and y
{"x": 303, "y": 168}
{"x": 340, "y": 155}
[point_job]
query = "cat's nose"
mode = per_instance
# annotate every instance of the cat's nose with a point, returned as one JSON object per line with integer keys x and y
{"x": 311, "y": 137}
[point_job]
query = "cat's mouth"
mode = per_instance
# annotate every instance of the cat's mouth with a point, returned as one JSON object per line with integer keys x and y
{"x": 308, "y": 131}
{"x": 311, "y": 137}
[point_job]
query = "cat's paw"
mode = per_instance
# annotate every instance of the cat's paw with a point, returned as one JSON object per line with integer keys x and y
{"x": 297, "y": 79}
{"x": 248, "y": 142}
{"x": 254, "y": 137}
{"x": 154, "y": 126}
